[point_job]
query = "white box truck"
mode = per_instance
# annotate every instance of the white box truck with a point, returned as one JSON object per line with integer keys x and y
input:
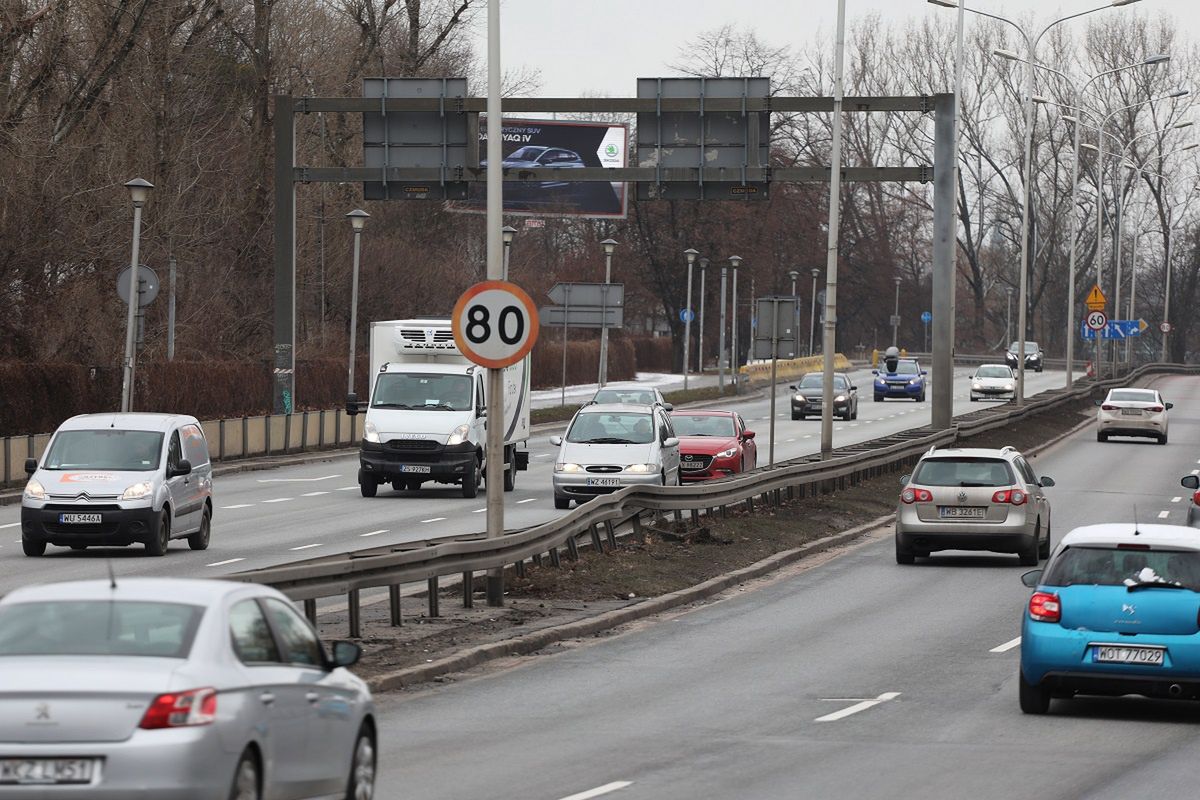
{"x": 428, "y": 412}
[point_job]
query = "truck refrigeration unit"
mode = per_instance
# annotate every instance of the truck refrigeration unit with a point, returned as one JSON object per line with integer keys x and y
{"x": 428, "y": 412}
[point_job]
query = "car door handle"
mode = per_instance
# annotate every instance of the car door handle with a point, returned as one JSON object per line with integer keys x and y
{"x": 267, "y": 698}
{"x": 312, "y": 697}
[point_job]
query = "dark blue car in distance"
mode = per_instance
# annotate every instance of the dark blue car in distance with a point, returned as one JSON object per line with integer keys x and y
{"x": 906, "y": 380}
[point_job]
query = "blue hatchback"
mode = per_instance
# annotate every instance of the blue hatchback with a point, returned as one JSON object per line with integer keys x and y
{"x": 1115, "y": 612}
{"x": 907, "y": 380}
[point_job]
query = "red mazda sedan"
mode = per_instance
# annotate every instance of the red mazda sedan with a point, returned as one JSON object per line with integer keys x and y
{"x": 713, "y": 444}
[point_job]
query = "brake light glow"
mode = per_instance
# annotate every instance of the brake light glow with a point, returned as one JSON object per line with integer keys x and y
{"x": 910, "y": 496}
{"x": 1155, "y": 409}
{"x": 179, "y": 709}
{"x": 1108, "y": 407}
{"x": 1045, "y": 607}
{"x": 1196, "y": 497}
{"x": 1015, "y": 496}
{"x": 1133, "y": 546}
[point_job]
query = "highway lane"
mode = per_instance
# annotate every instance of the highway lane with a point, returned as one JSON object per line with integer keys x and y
{"x": 270, "y": 517}
{"x": 856, "y": 678}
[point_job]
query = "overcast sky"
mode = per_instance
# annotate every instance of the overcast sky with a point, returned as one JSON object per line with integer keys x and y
{"x": 603, "y": 46}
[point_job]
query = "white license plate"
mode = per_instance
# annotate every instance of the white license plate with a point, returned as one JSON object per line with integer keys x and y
{"x": 962, "y": 512}
{"x": 80, "y": 519}
{"x": 417, "y": 468}
{"x": 46, "y": 770}
{"x": 603, "y": 482}
{"x": 1119, "y": 654}
{"x": 1131, "y": 412}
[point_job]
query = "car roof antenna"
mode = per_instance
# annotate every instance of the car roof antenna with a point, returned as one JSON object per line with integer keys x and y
{"x": 112, "y": 577}
{"x": 1136, "y": 532}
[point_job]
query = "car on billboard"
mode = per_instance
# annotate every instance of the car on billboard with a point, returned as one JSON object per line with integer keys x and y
{"x": 530, "y": 157}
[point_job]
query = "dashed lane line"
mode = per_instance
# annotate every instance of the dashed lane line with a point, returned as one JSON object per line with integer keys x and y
{"x": 305, "y": 546}
{"x": 297, "y": 480}
{"x": 599, "y": 790}
{"x": 435, "y": 519}
{"x": 1173, "y": 500}
{"x": 479, "y": 510}
{"x": 278, "y": 500}
{"x": 1004, "y": 648}
{"x": 1163, "y": 514}
{"x": 374, "y": 533}
{"x": 347, "y": 488}
{"x": 226, "y": 561}
{"x": 239, "y": 505}
{"x": 313, "y": 494}
{"x": 862, "y": 705}
{"x": 526, "y": 500}
{"x": 10, "y": 525}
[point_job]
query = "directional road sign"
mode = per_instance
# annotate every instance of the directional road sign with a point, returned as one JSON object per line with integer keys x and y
{"x": 588, "y": 294}
{"x": 581, "y": 316}
{"x": 1097, "y": 320}
{"x": 686, "y": 315}
{"x": 926, "y": 317}
{"x": 1114, "y": 329}
{"x": 495, "y": 324}
{"x": 1096, "y": 301}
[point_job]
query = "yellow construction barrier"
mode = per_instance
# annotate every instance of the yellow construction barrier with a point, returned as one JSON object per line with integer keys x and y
{"x": 792, "y": 368}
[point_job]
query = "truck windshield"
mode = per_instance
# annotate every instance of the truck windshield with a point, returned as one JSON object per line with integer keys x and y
{"x": 422, "y": 391}
{"x": 108, "y": 448}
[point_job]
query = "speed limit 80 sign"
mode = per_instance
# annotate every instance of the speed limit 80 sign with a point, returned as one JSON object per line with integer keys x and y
{"x": 495, "y": 324}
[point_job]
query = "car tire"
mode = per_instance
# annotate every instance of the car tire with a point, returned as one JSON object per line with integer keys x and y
{"x": 562, "y": 503}
{"x": 32, "y": 547}
{"x": 1029, "y": 555}
{"x": 470, "y": 483}
{"x": 247, "y": 783}
{"x": 162, "y": 540}
{"x": 878, "y": 399}
{"x": 412, "y": 485}
{"x": 1033, "y": 699}
{"x": 399, "y": 484}
{"x": 199, "y": 539}
{"x": 1044, "y": 550}
{"x": 795, "y": 416}
{"x": 510, "y": 473}
{"x": 904, "y": 556}
{"x": 974, "y": 399}
{"x": 360, "y": 785}
{"x": 801, "y": 417}
{"x": 1162, "y": 439}
{"x": 367, "y": 485}
{"x": 1101, "y": 436}
{"x": 855, "y": 414}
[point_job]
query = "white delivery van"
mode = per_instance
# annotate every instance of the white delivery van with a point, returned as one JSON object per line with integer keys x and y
{"x": 428, "y": 412}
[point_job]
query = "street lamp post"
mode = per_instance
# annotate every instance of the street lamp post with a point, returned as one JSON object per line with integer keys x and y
{"x": 735, "y": 359}
{"x": 139, "y": 192}
{"x": 721, "y": 337}
{"x": 700, "y": 338}
{"x": 896, "y": 316}
{"x": 1008, "y": 317}
{"x": 812, "y": 314}
{"x": 507, "y": 232}
{"x": 609, "y": 246}
{"x": 794, "y": 274}
{"x": 358, "y": 220}
{"x": 691, "y": 254}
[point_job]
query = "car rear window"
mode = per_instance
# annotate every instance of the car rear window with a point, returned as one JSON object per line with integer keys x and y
{"x": 1107, "y": 566}
{"x": 964, "y": 471}
{"x": 98, "y": 628}
{"x": 702, "y": 425}
{"x": 1132, "y": 396}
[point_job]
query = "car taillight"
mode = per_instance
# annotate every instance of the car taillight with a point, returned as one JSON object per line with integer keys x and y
{"x": 1107, "y": 407}
{"x": 1014, "y": 496}
{"x": 1045, "y": 607}
{"x": 1155, "y": 409}
{"x": 1196, "y": 497}
{"x": 178, "y": 709}
{"x": 911, "y": 496}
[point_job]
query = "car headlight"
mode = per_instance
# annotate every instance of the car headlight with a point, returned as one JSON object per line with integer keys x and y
{"x": 1008, "y": 387}
{"x": 841, "y": 398}
{"x": 34, "y": 490}
{"x": 137, "y": 491}
{"x": 730, "y": 453}
{"x": 801, "y": 398}
{"x": 459, "y": 435}
{"x": 642, "y": 469}
{"x": 370, "y": 432}
{"x": 977, "y": 387}
{"x": 914, "y": 381}
{"x": 565, "y": 467}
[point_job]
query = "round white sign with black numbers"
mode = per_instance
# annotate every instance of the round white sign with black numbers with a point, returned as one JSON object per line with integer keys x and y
{"x": 1096, "y": 320}
{"x": 495, "y": 324}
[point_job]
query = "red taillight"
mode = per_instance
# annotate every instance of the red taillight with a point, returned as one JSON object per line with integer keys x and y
{"x": 177, "y": 709}
{"x": 1155, "y": 409}
{"x": 1196, "y": 497}
{"x": 1015, "y": 496}
{"x": 1045, "y": 607}
{"x": 1126, "y": 546}
{"x": 911, "y": 496}
{"x": 1107, "y": 407}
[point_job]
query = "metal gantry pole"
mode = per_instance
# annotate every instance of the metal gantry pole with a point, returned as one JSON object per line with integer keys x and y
{"x": 1074, "y": 210}
{"x": 604, "y": 316}
{"x": 130, "y": 355}
{"x": 774, "y": 374}
{"x": 734, "y": 375}
{"x": 494, "y": 457}
{"x": 1166, "y": 315}
{"x": 700, "y": 338}
{"x": 812, "y": 314}
{"x": 943, "y": 261}
{"x": 353, "y": 311}
{"x": 896, "y": 317}
{"x": 1132, "y": 292}
{"x": 831, "y": 255}
{"x": 1026, "y": 196}
{"x": 687, "y": 319}
{"x": 721, "y": 338}
{"x": 284, "y": 372}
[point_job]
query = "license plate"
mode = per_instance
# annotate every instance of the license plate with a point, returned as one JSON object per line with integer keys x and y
{"x": 962, "y": 512}
{"x": 603, "y": 482}
{"x": 417, "y": 468}
{"x": 1152, "y": 656}
{"x": 46, "y": 770}
{"x": 80, "y": 519}
{"x": 1131, "y": 412}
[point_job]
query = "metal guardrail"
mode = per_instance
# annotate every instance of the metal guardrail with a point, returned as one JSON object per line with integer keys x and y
{"x": 350, "y": 573}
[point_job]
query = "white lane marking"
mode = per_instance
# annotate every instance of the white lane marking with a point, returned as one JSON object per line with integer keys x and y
{"x": 435, "y": 519}
{"x": 1004, "y": 648}
{"x": 305, "y": 546}
{"x": 297, "y": 480}
{"x": 374, "y": 533}
{"x": 792, "y": 439}
{"x": 1196, "y": 472}
{"x": 347, "y": 488}
{"x": 479, "y": 510}
{"x": 526, "y": 500}
{"x": 599, "y": 790}
{"x": 1164, "y": 514}
{"x": 857, "y": 707}
{"x": 278, "y": 500}
{"x": 543, "y": 455}
{"x": 226, "y": 561}
{"x": 10, "y": 525}
{"x": 312, "y": 494}
{"x": 808, "y": 436}
{"x": 1173, "y": 500}
{"x": 239, "y": 505}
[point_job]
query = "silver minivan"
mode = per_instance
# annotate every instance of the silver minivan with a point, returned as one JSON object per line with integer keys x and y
{"x": 119, "y": 479}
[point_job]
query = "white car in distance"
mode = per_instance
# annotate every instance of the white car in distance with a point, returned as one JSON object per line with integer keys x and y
{"x": 993, "y": 381}
{"x": 1132, "y": 411}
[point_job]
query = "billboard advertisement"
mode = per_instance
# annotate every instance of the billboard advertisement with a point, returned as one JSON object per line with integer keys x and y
{"x": 562, "y": 146}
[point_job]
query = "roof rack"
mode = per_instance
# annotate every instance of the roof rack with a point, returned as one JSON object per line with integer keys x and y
{"x": 1007, "y": 448}
{"x": 932, "y": 447}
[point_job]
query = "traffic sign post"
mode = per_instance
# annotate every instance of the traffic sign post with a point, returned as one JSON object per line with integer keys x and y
{"x": 926, "y": 318}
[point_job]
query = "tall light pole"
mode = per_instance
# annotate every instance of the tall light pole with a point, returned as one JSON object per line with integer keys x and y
{"x": 721, "y": 337}
{"x": 735, "y": 359}
{"x": 139, "y": 192}
{"x": 609, "y": 246}
{"x": 700, "y": 338}
{"x": 691, "y": 254}
{"x": 494, "y": 453}
{"x": 1031, "y": 43}
{"x": 1008, "y": 317}
{"x": 507, "y": 233}
{"x": 812, "y": 313}
{"x": 358, "y": 220}
{"x": 896, "y": 316}
{"x": 794, "y": 274}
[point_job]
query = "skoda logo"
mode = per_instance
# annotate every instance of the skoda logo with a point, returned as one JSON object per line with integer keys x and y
{"x": 610, "y": 150}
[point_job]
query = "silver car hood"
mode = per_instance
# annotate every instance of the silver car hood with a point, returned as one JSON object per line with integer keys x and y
{"x": 622, "y": 454}
{"x": 69, "y": 484}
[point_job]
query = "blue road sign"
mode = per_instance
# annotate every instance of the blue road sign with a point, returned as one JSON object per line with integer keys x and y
{"x": 686, "y": 315}
{"x": 1116, "y": 329}
{"x": 926, "y": 317}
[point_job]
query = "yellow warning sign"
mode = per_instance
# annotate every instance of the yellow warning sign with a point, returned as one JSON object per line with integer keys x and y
{"x": 1096, "y": 301}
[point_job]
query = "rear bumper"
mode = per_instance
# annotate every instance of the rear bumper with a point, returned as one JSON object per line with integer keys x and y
{"x": 1128, "y": 427}
{"x": 994, "y": 542}
{"x": 1061, "y": 660}
{"x": 118, "y": 526}
{"x": 445, "y": 463}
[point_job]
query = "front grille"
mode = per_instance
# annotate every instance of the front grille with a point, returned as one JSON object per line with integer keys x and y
{"x": 695, "y": 463}
{"x": 89, "y": 508}
{"x": 604, "y": 468}
{"x": 413, "y": 445}
{"x": 103, "y": 529}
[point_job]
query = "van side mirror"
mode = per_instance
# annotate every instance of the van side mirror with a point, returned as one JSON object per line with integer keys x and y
{"x": 30, "y": 466}
{"x": 924, "y": 372}
{"x": 1032, "y": 578}
{"x": 1190, "y": 482}
{"x": 184, "y": 467}
{"x": 556, "y": 441}
{"x": 670, "y": 441}
{"x": 874, "y": 372}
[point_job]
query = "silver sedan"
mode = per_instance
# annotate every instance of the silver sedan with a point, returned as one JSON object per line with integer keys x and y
{"x": 173, "y": 689}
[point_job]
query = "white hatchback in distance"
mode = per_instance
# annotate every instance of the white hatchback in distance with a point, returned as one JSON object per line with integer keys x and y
{"x": 993, "y": 381}
{"x": 1132, "y": 412}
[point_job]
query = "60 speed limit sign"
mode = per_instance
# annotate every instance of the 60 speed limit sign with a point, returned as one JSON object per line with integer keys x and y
{"x": 495, "y": 324}
{"x": 1096, "y": 320}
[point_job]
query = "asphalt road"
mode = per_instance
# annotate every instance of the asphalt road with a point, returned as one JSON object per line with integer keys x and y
{"x": 271, "y": 517}
{"x": 857, "y": 678}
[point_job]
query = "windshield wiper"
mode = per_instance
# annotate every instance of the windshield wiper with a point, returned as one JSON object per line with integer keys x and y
{"x": 1133, "y": 587}
{"x": 391, "y": 405}
{"x": 608, "y": 440}
{"x": 440, "y": 405}
{"x": 969, "y": 484}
